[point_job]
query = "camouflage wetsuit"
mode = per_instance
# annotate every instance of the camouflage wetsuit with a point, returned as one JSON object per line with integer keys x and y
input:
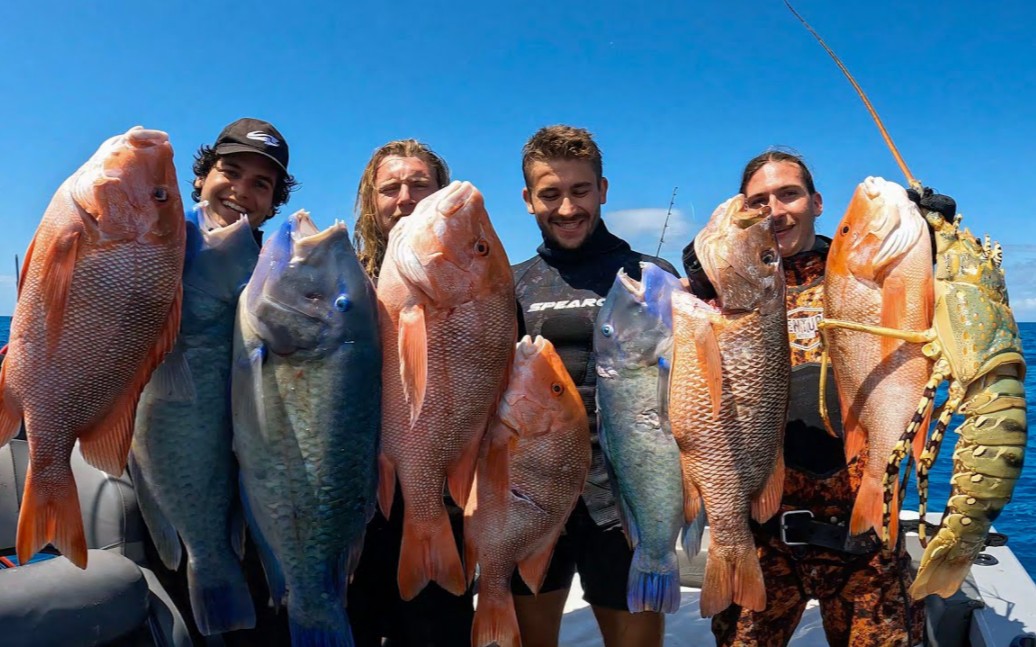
{"x": 863, "y": 597}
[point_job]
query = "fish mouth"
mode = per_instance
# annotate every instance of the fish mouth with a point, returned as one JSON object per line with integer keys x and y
{"x": 305, "y": 236}
{"x": 635, "y": 288}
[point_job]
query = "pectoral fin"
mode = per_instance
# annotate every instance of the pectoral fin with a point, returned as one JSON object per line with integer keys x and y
{"x": 59, "y": 266}
{"x": 413, "y": 358}
{"x": 711, "y": 364}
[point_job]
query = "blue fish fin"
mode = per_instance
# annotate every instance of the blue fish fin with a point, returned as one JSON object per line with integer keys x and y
{"x": 163, "y": 534}
{"x": 335, "y": 630}
{"x": 664, "y": 365}
{"x": 692, "y": 533}
{"x": 653, "y": 586}
{"x": 237, "y": 530}
{"x": 272, "y": 568}
{"x": 172, "y": 380}
{"x": 320, "y": 636}
{"x": 220, "y": 599}
{"x": 246, "y": 391}
{"x": 625, "y": 517}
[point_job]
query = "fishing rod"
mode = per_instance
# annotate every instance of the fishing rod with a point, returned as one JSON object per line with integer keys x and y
{"x": 17, "y": 276}
{"x": 661, "y": 239}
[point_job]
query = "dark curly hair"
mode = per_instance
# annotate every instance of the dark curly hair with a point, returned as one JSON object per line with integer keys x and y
{"x": 206, "y": 158}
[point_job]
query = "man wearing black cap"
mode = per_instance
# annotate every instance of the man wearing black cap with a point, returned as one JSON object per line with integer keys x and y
{"x": 244, "y": 172}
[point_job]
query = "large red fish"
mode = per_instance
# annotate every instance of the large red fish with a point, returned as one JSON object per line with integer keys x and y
{"x": 878, "y": 273}
{"x": 531, "y": 473}
{"x": 448, "y": 329}
{"x": 98, "y": 309}
{"x": 728, "y": 397}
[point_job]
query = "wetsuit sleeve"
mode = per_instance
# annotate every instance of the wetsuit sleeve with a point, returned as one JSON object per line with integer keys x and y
{"x": 700, "y": 285}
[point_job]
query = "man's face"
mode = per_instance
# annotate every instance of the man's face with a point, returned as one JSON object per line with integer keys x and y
{"x": 780, "y": 185}
{"x": 566, "y": 199}
{"x": 240, "y": 183}
{"x": 399, "y": 184}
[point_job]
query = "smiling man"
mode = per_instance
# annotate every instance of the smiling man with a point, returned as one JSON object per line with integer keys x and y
{"x": 560, "y": 291}
{"x": 244, "y": 173}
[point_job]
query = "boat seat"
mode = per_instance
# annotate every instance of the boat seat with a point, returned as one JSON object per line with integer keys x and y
{"x": 116, "y": 601}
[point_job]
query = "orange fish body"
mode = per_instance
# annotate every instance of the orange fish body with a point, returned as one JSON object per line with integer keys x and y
{"x": 879, "y": 273}
{"x": 531, "y": 472}
{"x": 98, "y": 308}
{"x": 728, "y": 398}
{"x": 448, "y": 328}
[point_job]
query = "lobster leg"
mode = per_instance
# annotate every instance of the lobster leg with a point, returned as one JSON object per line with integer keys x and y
{"x": 931, "y": 453}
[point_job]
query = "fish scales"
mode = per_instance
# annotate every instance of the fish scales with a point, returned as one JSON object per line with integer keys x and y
{"x": 306, "y": 398}
{"x": 182, "y": 463}
{"x": 99, "y": 306}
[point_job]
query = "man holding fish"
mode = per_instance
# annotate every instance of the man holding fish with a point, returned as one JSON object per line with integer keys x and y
{"x": 805, "y": 550}
{"x": 560, "y": 291}
{"x": 244, "y": 173}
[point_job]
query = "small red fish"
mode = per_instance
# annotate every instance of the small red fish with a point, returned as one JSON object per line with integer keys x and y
{"x": 98, "y": 309}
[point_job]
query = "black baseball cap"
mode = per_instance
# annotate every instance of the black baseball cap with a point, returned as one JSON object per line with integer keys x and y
{"x": 249, "y": 135}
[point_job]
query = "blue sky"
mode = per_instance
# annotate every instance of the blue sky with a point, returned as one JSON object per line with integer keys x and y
{"x": 677, "y": 94}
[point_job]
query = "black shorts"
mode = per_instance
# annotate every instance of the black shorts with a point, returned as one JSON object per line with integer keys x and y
{"x": 602, "y": 557}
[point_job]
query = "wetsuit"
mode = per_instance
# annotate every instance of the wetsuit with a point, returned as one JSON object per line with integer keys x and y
{"x": 862, "y": 592}
{"x": 559, "y": 294}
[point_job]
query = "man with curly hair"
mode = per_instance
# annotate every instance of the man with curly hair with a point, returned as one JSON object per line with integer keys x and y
{"x": 245, "y": 172}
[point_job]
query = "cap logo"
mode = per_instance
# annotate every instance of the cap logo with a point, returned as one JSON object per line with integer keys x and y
{"x": 260, "y": 136}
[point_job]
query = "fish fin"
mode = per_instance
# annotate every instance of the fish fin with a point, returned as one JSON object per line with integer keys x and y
{"x": 25, "y": 266}
{"x": 246, "y": 390}
{"x": 10, "y": 415}
{"x": 413, "y": 358}
{"x": 386, "y": 485}
{"x": 59, "y": 266}
{"x": 237, "y": 530}
{"x": 768, "y": 500}
{"x": 495, "y": 621}
{"x": 220, "y": 598}
{"x": 691, "y": 500}
{"x": 163, "y": 533}
{"x": 106, "y": 444}
{"x": 732, "y": 576}
{"x": 893, "y": 313}
{"x": 460, "y": 475}
{"x": 653, "y": 586}
{"x": 271, "y": 567}
{"x": 692, "y": 534}
{"x": 870, "y": 501}
{"x": 429, "y": 556}
{"x": 613, "y": 481}
{"x": 855, "y": 434}
{"x": 50, "y": 513}
{"x": 533, "y": 569}
{"x": 472, "y": 525}
{"x": 711, "y": 364}
{"x": 172, "y": 380}
{"x": 664, "y": 366}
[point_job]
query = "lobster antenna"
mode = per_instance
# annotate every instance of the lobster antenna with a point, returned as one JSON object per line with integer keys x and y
{"x": 914, "y": 183}
{"x": 661, "y": 238}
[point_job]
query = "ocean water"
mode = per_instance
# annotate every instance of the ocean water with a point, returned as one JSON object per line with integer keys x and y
{"x": 1016, "y": 521}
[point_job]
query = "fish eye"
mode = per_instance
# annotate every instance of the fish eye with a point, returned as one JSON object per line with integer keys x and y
{"x": 342, "y": 303}
{"x": 160, "y": 194}
{"x": 482, "y": 248}
{"x": 768, "y": 257}
{"x": 845, "y": 230}
{"x": 607, "y": 330}
{"x": 556, "y": 388}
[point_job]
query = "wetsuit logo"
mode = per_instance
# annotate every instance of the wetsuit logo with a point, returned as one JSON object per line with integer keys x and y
{"x": 802, "y": 328}
{"x": 564, "y": 305}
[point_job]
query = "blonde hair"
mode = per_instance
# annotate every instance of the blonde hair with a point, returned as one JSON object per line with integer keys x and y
{"x": 368, "y": 238}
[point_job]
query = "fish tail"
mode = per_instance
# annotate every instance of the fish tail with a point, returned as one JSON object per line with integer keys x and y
{"x": 429, "y": 554}
{"x": 867, "y": 511}
{"x": 732, "y": 575}
{"x": 495, "y": 620}
{"x": 322, "y": 636}
{"x": 220, "y": 598}
{"x": 653, "y": 586}
{"x": 50, "y": 514}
